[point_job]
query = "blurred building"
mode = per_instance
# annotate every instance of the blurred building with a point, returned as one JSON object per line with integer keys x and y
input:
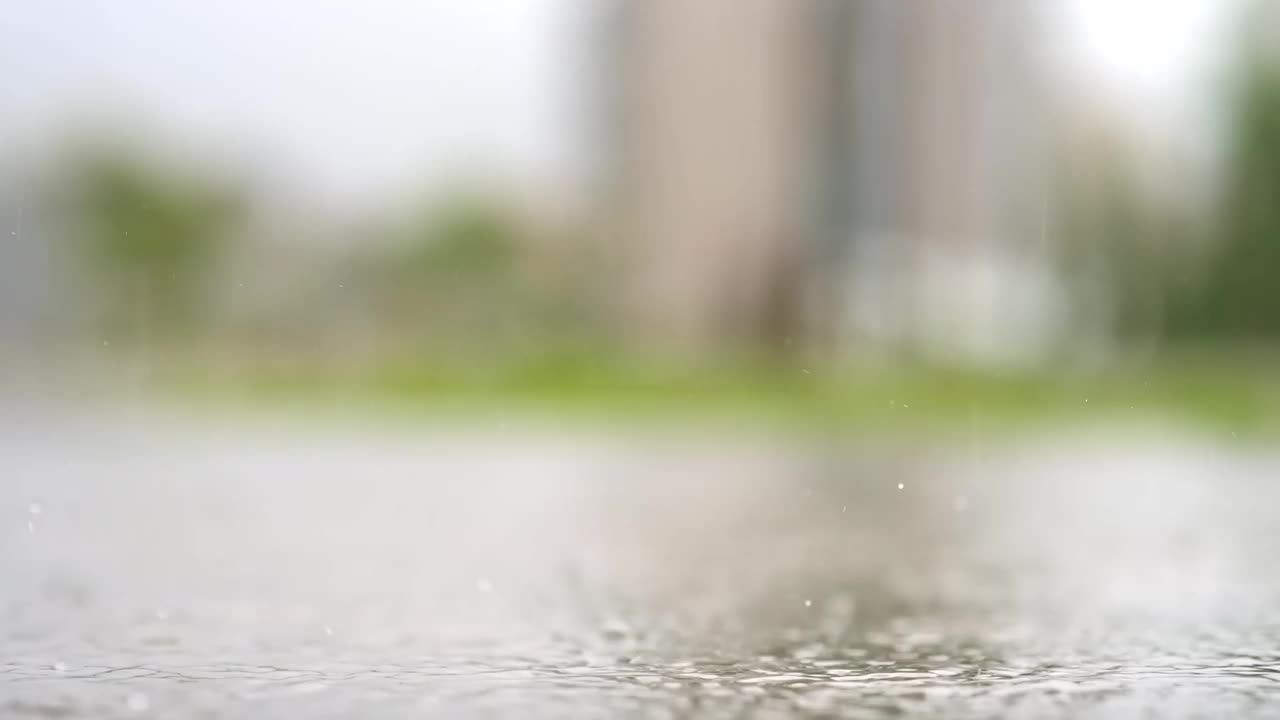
{"x": 713, "y": 113}
{"x": 861, "y": 172}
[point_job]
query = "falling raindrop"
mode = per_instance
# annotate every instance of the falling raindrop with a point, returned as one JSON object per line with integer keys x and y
{"x": 137, "y": 702}
{"x": 901, "y": 485}
{"x": 59, "y": 666}
{"x": 35, "y": 508}
{"x": 808, "y": 603}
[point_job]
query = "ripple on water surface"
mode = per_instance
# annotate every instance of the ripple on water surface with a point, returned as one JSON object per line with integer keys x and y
{"x": 230, "y": 576}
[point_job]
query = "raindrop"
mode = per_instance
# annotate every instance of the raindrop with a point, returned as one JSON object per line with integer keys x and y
{"x": 31, "y": 526}
{"x": 901, "y": 485}
{"x": 808, "y": 603}
{"x": 106, "y": 343}
{"x": 59, "y": 666}
{"x": 137, "y": 702}
{"x": 615, "y": 631}
{"x": 35, "y": 508}
{"x": 806, "y": 371}
{"x": 161, "y": 614}
{"x": 844, "y": 508}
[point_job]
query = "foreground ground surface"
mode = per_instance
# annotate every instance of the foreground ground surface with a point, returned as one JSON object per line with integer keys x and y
{"x": 154, "y": 566}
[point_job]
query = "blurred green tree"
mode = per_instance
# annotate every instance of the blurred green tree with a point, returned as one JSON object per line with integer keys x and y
{"x": 449, "y": 267}
{"x": 1240, "y": 297}
{"x": 469, "y": 236}
{"x": 150, "y": 239}
{"x": 471, "y": 277}
{"x": 1237, "y": 299}
{"x": 1129, "y": 242}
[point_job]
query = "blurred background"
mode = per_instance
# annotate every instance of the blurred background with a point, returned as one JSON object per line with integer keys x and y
{"x": 760, "y": 206}
{"x": 812, "y": 357}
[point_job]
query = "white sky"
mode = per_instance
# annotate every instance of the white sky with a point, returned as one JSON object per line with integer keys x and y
{"x": 1148, "y": 46}
{"x": 357, "y": 98}
{"x": 348, "y": 97}
{"x": 1155, "y": 57}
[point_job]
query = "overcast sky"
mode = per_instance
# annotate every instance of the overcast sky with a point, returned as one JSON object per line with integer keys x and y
{"x": 352, "y": 97}
{"x": 355, "y": 99}
{"x": 1156, "y": 59}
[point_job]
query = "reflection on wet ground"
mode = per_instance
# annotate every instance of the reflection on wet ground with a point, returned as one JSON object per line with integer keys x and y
{"x": 152, "y": 568}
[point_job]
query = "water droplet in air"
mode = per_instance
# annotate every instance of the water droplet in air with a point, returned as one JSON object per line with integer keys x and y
{"x": 35, "y": 508}
{"x": 808, "y": 603}
{"x": 615, "y": 631}
{"x": 31, "y": 526}
{"x": 901, "y": 485}
{"x": 59, "y": 666}
{"x": 328, "y": 631}
{"x": 137, "y": 702}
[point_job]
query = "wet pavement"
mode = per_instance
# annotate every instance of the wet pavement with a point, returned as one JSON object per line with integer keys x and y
{"x": 161, "y": 567}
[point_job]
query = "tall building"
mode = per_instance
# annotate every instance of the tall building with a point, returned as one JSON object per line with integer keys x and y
{"x": 714, "y": 104}
{"x": 949, "y": 249}
{"x": 860, "y": 171}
